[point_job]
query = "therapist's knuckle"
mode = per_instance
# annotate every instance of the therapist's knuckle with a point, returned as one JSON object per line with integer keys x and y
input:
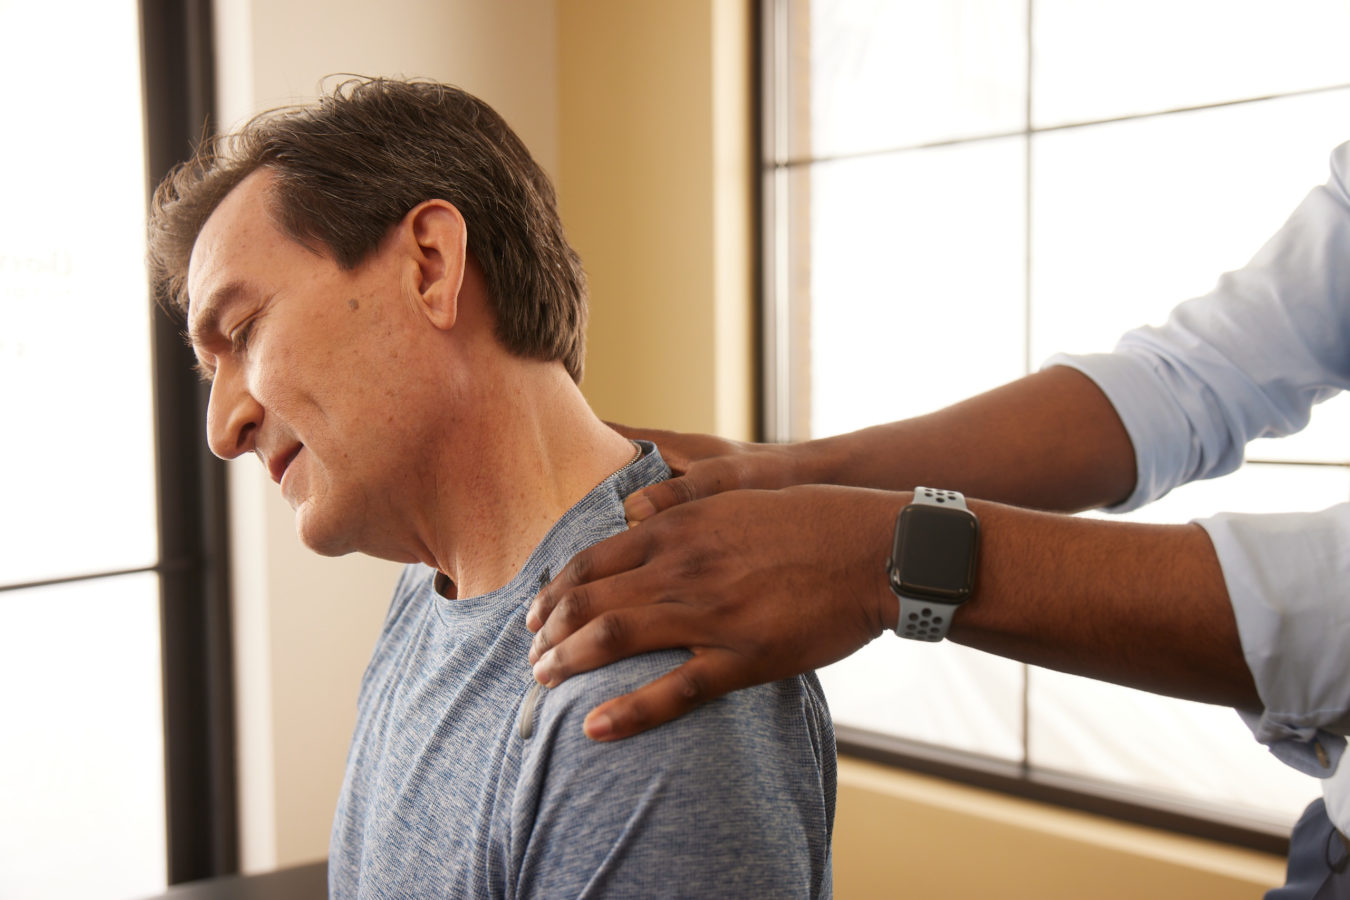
{"x": 681, "y": 490}
{"x": 580, "y": 570}
{"x": 692, "y": 565}
{"x": 611, "y": 632}
{"x": 690, "y": 687}
{"x": 575, "y": 606}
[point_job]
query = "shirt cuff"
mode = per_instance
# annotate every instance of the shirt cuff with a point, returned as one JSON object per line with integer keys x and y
{"x": 1312, "y": 751}
{"x": 1284, "y": 573}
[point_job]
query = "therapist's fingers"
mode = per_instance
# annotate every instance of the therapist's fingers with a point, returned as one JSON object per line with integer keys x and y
{"x": 759, "y": 585}
{"x": 738, "y": 467}
{"x": 680, "y": 450}
{"x": 609, "y": 620}
{"x": 642, "y": 505}
{"x": 571, "y": 587}
{"x": 700, "y": 679}
{"x": 618, "y": 634}
{"x": 703, "y": 464}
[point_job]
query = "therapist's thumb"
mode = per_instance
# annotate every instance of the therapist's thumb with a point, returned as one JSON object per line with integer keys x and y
{"x": 651, "y": 500}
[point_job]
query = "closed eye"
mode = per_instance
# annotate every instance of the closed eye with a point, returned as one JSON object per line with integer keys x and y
{"x": 239, "y": 337}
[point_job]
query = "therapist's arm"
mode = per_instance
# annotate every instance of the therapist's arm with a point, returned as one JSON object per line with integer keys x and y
{"x": 1139, "y": 605}
{"x": 763, "y": 584}
{"x": 1048, "y": 441}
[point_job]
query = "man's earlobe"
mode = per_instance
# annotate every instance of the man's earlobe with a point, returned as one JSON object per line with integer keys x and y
{"x": 440, "y": 240}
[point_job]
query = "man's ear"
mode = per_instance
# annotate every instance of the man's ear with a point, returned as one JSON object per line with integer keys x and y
{"x": 440, "y": 250}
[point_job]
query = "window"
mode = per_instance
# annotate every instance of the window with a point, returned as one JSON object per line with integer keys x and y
{"x": 79, "y": 664}
{"x": 957, "y": 189}
{"x": 110, "y": 789}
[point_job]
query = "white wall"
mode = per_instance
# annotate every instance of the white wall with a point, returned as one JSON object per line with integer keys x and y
{"x": 305, "y": 625}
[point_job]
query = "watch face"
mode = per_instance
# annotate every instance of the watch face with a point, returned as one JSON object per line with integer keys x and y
{"x": 934, "y": 553}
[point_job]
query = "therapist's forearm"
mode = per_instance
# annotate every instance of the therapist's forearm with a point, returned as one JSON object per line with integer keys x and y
{"x": 1141, "y": 605}
{"x": 764, "y": 584}
{"x": 1048, "y": 441}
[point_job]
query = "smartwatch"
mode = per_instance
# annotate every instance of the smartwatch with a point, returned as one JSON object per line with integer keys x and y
{"x": 932, "y": 564}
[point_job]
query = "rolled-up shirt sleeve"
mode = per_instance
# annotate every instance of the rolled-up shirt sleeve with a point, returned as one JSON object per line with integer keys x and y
{"x": 1249, "y": 360}
{"x": 1287, "y": 576}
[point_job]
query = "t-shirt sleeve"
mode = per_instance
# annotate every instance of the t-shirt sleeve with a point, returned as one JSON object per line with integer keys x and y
{"x": 735, "y": 799}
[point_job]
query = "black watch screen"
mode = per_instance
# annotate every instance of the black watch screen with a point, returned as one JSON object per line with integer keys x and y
{"x": 934, "y": 553}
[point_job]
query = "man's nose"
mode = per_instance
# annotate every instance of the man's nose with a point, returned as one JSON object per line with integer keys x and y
{"x": 233, "y": 416}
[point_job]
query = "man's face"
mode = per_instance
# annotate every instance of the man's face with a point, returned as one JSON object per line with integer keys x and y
{"x": 302, "y": 358}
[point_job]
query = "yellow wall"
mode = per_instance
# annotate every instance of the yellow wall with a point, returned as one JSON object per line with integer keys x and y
{"x": 655, "y": 175}
{"x": 900, "y": 834}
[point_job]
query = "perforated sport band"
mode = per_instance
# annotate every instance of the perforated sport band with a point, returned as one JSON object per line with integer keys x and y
{"x": 923, "y": 619}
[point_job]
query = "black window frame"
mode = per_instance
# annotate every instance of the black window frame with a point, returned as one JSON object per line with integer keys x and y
{"x": 178, "y": 71}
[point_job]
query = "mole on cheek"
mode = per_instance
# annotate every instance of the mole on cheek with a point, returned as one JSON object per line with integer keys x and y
{"x": 353, "y": 304}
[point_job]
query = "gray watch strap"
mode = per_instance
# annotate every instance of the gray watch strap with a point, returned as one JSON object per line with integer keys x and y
{"x": 921, "y": 618}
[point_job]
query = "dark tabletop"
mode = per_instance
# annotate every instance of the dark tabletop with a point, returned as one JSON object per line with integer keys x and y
{"x": 300, "y": 883}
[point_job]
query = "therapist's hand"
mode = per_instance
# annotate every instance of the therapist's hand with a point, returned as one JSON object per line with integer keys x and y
{"x": 760, "y": 585}
{"x": 705, "y": 465}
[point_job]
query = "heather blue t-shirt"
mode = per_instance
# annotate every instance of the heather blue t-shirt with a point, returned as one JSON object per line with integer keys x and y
{"x": 465, "y": 779}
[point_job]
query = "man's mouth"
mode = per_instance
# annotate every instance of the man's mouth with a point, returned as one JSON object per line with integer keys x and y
{"x": 278, "y": 465}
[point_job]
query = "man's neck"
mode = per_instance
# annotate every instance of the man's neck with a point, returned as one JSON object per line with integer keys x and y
{"x": 528, "y": 449}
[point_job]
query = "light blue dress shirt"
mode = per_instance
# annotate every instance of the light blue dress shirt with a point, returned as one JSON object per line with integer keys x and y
{"x": 1249, "y": 360}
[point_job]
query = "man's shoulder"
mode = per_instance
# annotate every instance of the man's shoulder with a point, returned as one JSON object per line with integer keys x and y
{"x": 781, "y": 712}
{"x": 736, "y": 798}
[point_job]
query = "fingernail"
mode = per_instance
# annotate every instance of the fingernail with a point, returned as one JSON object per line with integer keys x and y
{"x": 542, "y": 673}
{"x": 598, "y": 726}
{"x": 532, "y": 620}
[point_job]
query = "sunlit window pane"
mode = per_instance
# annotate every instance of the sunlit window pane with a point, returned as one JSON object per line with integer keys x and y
{"x": 916, "y": 281}
{"x": 887, "y": 75}
{"x": 82, "y": 764}
{"x": 1102, "y": 60}
{"x": 1131, "y": 218}
{"x": 944, "y": 695}
{"x": 1191, "y": 751}
{"x": 1324, "y": 440}
{"x": 77, "y": 462}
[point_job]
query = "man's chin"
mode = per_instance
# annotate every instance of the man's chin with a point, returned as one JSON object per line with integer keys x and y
{"x": 324, "y": 541}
